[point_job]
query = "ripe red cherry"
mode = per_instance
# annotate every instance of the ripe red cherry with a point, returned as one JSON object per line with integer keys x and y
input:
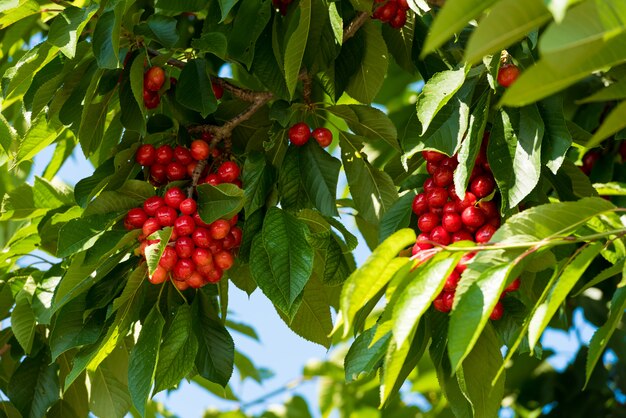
{"x": 388, "y": 11}
{"x": 184, "y": 225}
{"x": 151, "y": 205}
{"x": 485, "y": 233}
{"x": 166, "y": 216}
{"x": 469, "y": 200}
{"x": 164, "y": 154}
{"x": 183, "y": 155}
{"x": 173, "y": 197}
{"x": 398, "y": 20}
{"x": 176, "y": 171}
{"x": 154, "y": 78}
{"x": 150, "y": 227}
{"x": 198, "y": 220}
{"x": 201, "y": 237}
{"x": 589, "y": 160}
{"x": 440, "y": 235}
{"x": 450, "y": 207}
{"x": 200, "y": 150}
{"x": 437, "y": 197}
{"x": 145, "y": 155}
{"x": 450, "y": 162}
{"x": 428, "y": 184}
{"x": 224, "y": 260}
{"x": 196, "y": 280}
{"x": 421, "y": 243}
{"x": 181, "y": 285}
{"x": 158, "y": 173}
{"x": 507, "y": 74}
{"x": 202, "y": 257}
{"x": 168, "y": 258}
{"x": 233, "y": 220}
{"x": 451, "y": 221}
{"x": 218, "y": 90}
{"x": 214, "y": 275}
{"x": 420, "y": 204}
{"x": 219, "y": 229}
{"x": 452, "y": 281}
{"x": 513, "y": 286}
{"x": 228, "y": 172}
{"x": 497, "y": 312}
{"x": 473, "y": 217}
{"x": 213, "y": 179}
{"x": 237, "y": 234}
{"x": 444, "y": 301}
{"x": 403, "y": 4}
{"x": 183, "y": 269}
{"x": 159, "y": 276}
{"x": 188, "y": 206}
{"x": 184, "y": 247}
{"x": 482, "y": 186}
{"x": 136, "y": 217}
{"x": 490, "y": 209}
{"x": 462, "y": 235}
{"x": 151, "y": 99}
{"x": 427, "y": 222}
{"x": 431, "y": 167}
{"x": 299, "y": 134}
{"x": 465, "y": 260}
{"x": 433, "y": 156}
{"x": 443, "y": 177}
{"x": 323, "y": 136}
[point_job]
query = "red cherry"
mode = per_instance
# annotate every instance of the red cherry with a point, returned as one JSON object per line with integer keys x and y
{"x": 399, "y": 20}
{"x": 188, "y": 206}
{"x": 218, "y": 90}
{"x": 136, "y": 217}
{"x": 176, "y": 171}
{"x": 214, "y": 275}
{"x": 166, "y": 216}
{"x": 462, "y": 235}
{"x": 150, "y": 227}
{"x": 216, "y": 246}
{"x": 184, "y": 247}
{"x": 158, "y": 173}
{"x": 213, "y": 179}
{"x": 403, "y": 4}
{"x": 184, "y": 225}
{"x": 200, "y": 150}
{"x": 489, "y": 208}
{"x": 299, "y": 134}
{"x": 482, "y": 186}
{"x": 237, "y": 235}
{"x": 224, "y": 260}
{"x": 420, "y": 204}
{"x": 158, "y": 276}
{"x": 450, "y": 162}
{"x": 198, "y": 220}
{"x": 180, "y": 284}
{"x": 429, "y": 184}
{"x": 433, "y": 156}
{"x": 168, "y": 258}
{"x": 450, "y": 207}
{"x": 437, "y": 197}
{"x": 451, "y": 222}
{"x": 440, "y": 235}
{"x": 485, "y": 233}
{"x": 191, "y": 167}
{"x": 452, "y": 281}
{"x": 154, "y": 78}
{"x": 183, "y": 269}
{"x": 431, "y": 167}
{"x": 151, "y": 205}
{"x": 233, "y": 220}
{"x": 173, "y": 196}
{"x": 497, "y": 312}
{"x": 145, "y": 155}
{"x": 196, "y": 280}
{"x": 388, "y": 11}
{"x": 151, "y": 99}
{"x": 201, "y": 237}
{"x": 513, "y": 286}
{"x": 622, "y": 150}
{"x": 507, "y": 74}
{"x": 183, "y": 155}
{"x": 164, "y": 154}
{"x": 228, "y": 172}
{"x": 219, "y": 229}
{"x": 464, "y": 261}
{"x": 495, "y": 222}
{"x": 443, "y": 177}
{"x": 589, "y": 160}
{"x": 473, "y": 217}
{"x": 427, "y": 222}
{"x": 323, "y": 136}
{"x": 202, "y": 257}
{"x": 469, "y": 200}
{"x": 421, "y": 243}
{"x": 448, "y": 300}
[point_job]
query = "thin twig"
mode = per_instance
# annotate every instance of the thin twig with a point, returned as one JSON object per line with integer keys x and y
{"x": 355, "y": 25}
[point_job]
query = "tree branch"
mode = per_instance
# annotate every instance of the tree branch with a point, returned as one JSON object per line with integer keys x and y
{"x": 355, "y": 25}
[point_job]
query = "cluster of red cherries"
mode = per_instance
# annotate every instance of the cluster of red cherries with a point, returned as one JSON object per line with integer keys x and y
{"x": 174, "y": 164}
{"x": 392, "y": 12}
{"x": 153, "y": 80}
{"x": 281, "y": 5}
{"x": 300, "y": 133}
{"x": 445, "y": 218}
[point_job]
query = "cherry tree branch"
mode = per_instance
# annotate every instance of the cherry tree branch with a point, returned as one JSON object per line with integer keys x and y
{"x": 355, "y": 25}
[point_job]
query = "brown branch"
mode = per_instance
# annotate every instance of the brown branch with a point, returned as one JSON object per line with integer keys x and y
{"x": 355, "y": 25}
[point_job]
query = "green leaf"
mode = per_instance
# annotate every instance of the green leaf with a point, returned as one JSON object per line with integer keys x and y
{"x": 557, "y": 293}
{"x": 34, "y": 386}
{"x": 193, "y": 89}
{"x": 426, "y": 282}
{"x": 106, "y": 39}
{"x": 23, "y": 320}
{"x": 71, "y": 330}
{"x": 251, "y": 18}
{"x": 109, "y": 394}
{"x": 367, "y": 122}
{"x": 67, "y": 27}
{"x": 143, "y": 359}
{"x": 294, "y": 49}
{"x": 155, "y": 251}
{"x": 371, "y": 189}
{"x": 397, "y": 217}
{"x": 80, "y": 234}
{"x": 367, "y": 81}
{"x": 219, "y": 202}
{"x": 374, "y": 274}
{"x": 479, "y": 369}
{"x": 364, "y": 357}
{"x": 258, "y": 181}
{"x": 40, "y": 134}
{"x": 557, "y": 139}
{"x": 436, "y": 93}
{"x": 216, "y": 350}
{"x": 178, "y": 7}
{"x": 451, "y": 19}
{"x": 27, "y": 201}
{"x": 614, "y": 122}
{"x": 164, "y": 29}
{"x": 133, "y": 284}
{"x": 615, "y": 91}
{"x": 212, "y": 42}
{"x": 178, "y": 351}
{"x": 18, "y": 78}
{"x": 507, "y": 22}
{"x": 282, "y": 259}
{"x": 319, "y": 173}
{"x": 226, "y": 6}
